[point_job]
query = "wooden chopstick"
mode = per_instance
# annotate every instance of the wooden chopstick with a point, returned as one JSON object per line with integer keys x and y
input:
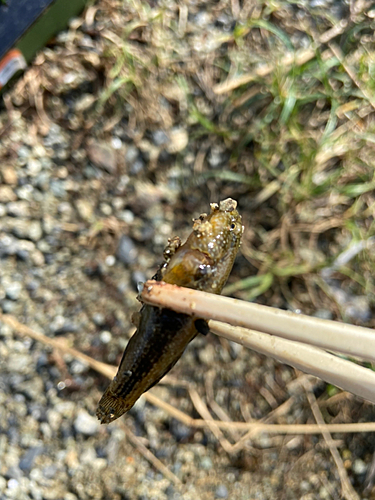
{"x": 302, "y": 355}
{"x": 353, "y": 340}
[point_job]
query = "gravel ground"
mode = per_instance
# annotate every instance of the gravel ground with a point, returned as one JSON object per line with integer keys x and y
{"x": 88, "y": 200}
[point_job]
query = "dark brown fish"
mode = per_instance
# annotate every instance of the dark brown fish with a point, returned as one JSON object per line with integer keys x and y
{"x": 203, "y": 262}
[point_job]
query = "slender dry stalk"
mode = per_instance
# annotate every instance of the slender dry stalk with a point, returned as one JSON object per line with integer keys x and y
{"x": 104, "y": 369}
{"x": 137, "y": 443}
{"x": 253, "y": 427}
{"x": 298, "y": 58}
{"x": 347, "y": 489}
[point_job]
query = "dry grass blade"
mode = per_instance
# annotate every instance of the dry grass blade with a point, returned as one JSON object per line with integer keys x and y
{"x": 253, "y": 427}
{"x": 299, "y": 58}
{"x": 150, "y": 456}
{"x": 104, "y": 369}
{"x": 203, "y": 411}
{"x": 331, "y": 335}
{"x": 347, "y": 489}
{"x": 337, "y": 52}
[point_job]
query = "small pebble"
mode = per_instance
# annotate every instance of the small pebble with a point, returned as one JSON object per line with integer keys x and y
{"x": 35, "y": 231}
{"x": 7, "y": 194}
{"x": 105, "y": 337}
{"x": 221, "y": 491}
{"x": 28, "y": 458}
{"x": 7, "y": 306}
{"x": 116, "y": 143}
{"x": 127, "y": 216}
{"x": 98, "y": 319}
{"x": 84, "y": 102}
{"x": 159, "y": 137}
{"x": 178, "y": 140}
{"x": 9, "y": 174}
{"x": 131, "y": 154}
{"x": 102, "y": 156}
{"x": 206, "y": 463}
{"x": 86, "y": 424}
{"x": 33, "y": 167}
{"x": 18, "y": 208}
{"x": 105, "y": 209}
{"x": 179, "y": 430}
{"x": 110, "y": 260}
{"x": 323, "y": 314}
{"x": 137, "y": 166}
{"x": 85, "y": 209}
{"x": 25, "y": 192}
{"x": 58, "y": 188}
{"x": 13, "y": 290}
{"x": 359, "y": 467}
{"x": 3, "y": 484}
{"x": 126, "y": 250}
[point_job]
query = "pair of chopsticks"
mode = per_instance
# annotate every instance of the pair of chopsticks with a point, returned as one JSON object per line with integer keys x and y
{"x": 294, "y": 339}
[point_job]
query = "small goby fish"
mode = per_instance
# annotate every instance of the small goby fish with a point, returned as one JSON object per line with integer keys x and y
{"x": 203, "y": 262}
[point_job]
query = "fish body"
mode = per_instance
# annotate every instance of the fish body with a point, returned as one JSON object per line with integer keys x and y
{"x": 203, "y": 262}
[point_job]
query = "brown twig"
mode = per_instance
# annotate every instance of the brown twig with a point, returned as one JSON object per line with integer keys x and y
{"x": 104, "y": 369}
{"x": 255, "y": 427}
{"x": 149, "y": 456}
{"x": 347, "y": 489}
{"x": 202, "y": 409}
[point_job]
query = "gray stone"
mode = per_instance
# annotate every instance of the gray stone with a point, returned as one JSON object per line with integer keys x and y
{"x": 7, "y": 306}
{"x": 126, "y": 250}
{"x": 105, "y": 337}
{"x": 35, "y": 231}
{"x": 102, "y": 156}
{"x": 98, "y": 318}
{"x": 28, "y": 458}
{"x": 18, "y": 208}
{"x": 160, "y": 137}
{"x": 221, "y": 491}
{"x": 137, "y": 166}
{"x": 131, "y": 154}
{"x": 13, "y": 290}
{"x": 33, "y": 167}
{"x": 25, "y": 192}
{"x": 86, "y": 424}
{"x": 58, "y": 188}
{"x": 206, "y": 463}
{"x": 24, "y": 229}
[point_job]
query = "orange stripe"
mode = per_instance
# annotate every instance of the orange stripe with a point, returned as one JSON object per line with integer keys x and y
{"x": 13, "y": 53}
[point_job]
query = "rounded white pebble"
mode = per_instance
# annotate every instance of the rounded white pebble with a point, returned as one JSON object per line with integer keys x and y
{"x": 105, "y": 337}
{"x": 110, "y": 260}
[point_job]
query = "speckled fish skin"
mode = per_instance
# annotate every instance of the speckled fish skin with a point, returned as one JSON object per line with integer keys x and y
{"x": 203, "y": 262}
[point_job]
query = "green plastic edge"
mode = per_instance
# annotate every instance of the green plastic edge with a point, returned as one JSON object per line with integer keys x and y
{"x": 54, "y": 19}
